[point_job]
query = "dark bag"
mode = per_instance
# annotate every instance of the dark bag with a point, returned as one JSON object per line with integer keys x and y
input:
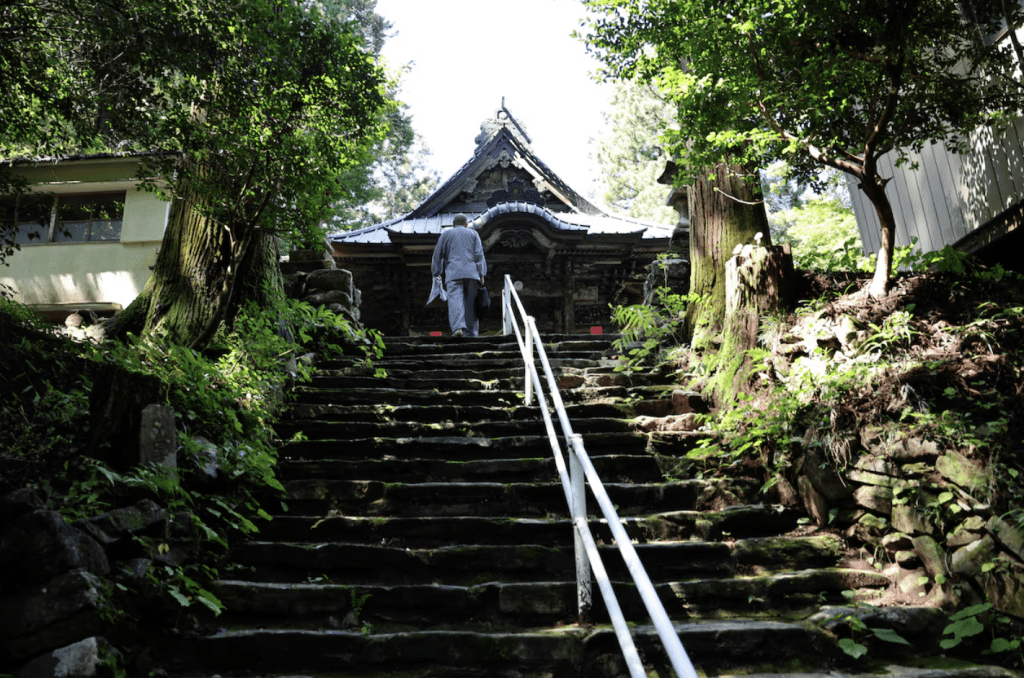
{"x": 482, "y": 304}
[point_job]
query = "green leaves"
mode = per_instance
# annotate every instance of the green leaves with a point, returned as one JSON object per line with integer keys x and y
{"x": 964, "y": 624}
{"x": 754, "y": 82}
{"x": 852, "y": 647}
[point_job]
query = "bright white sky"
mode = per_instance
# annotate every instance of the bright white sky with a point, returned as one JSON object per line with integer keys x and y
{"x": 468, "y": 54}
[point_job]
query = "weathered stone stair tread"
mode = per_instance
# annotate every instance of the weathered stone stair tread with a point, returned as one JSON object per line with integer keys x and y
{"x": 411, "y": 396}
{"x": 898, "y": 671}
{"x": 404, "y": 429}
{"x": 468, "y": 363}
{"x": 460, "y": 448}
{"x": 445, "y": 606}
{"x": 637, "y": 468}
{"x": 535, "y": 650}
{"x": 399, "y": 345}
{"x": 373, "y": 497}
{"x": 443, "y": 412}
{"x": 948, "y": 669}
{"x": 428, "y": 500}
{"x": 414, "y": 370}
{"x": 737, "y": 522}
{"x": 471, "y": 563}
{"x": 449, "y": 382}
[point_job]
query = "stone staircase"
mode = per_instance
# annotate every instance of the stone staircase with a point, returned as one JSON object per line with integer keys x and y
{"x": 424, "y": 534}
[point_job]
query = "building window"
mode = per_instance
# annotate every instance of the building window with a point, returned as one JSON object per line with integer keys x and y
{"x": 65, "y": 218}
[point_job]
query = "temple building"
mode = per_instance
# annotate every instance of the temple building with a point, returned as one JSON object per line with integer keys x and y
{"x": 569, "y": 259}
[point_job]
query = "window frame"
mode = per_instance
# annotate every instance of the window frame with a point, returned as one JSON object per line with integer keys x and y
{"x": 53, "y": 231}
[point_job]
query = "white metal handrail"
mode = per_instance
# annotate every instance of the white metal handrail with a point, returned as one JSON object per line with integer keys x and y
{"x": 574, "y": 478}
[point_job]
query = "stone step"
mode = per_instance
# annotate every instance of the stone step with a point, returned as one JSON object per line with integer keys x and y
{"x": 596, "y": 373}
{"x": 505, "y": 605}
{"x": 497, "y": 380}
{"x": 509, "y": 361}
{"x": 889, "y": 667}
{"x": 443, "y": 412}
{"x": 467, "y": 564}
{"x": 337, "y": 430}
{"x": 480, "y": 396}
{"x": 736, "y": 522}
{"x": 454, "y": 378}
{"x": 713, "y": 646}
{"x": 943, "y": 668}
{"x": 631, "y": 468}
{"x": 377, "y": 498}
{"x": 400, "y": 345}
{"x": 457, "y": 447}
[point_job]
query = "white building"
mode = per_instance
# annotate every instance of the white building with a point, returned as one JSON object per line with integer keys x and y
{"x": 969, "y": 201}
{"x": 97, "y": 235}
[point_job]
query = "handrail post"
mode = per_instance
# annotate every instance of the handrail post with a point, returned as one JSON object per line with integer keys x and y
{"x": 531, "y": 330}
{"x": 506, "y": 306}
{"x": 577, "y": 480}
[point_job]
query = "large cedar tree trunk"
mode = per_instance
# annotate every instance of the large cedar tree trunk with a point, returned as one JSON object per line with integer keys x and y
{"x": 724, "y": 212}
{"x": 200, "y": 281}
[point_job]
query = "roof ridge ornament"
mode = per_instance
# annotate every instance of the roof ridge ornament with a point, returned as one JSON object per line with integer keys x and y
{"x": 502, "y": 120}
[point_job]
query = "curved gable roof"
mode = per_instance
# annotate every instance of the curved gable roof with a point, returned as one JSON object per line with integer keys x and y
{"x": 503, "y": 140}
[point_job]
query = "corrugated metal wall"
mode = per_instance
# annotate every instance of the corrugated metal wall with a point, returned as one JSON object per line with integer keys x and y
{"x": 949, "y": 195}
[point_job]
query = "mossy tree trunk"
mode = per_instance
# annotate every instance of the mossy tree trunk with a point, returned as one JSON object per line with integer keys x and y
{"x": 725, "y": 210}
{"x": 205, "y": 271}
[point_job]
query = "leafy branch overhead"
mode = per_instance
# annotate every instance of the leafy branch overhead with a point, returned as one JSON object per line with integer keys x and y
{"x": 816, "y": 84}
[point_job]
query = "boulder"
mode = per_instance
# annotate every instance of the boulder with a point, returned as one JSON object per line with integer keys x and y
{"x": 911, "y": 581}
{"x": 51, "y": 615}
{"x": 868, "y": 529}
{"x": 966, "y": 532}
{"x": 824, "y": 477}
{"x": 916, "y": 449}
{"x": 874, "y": 498}
{"x": 897, "y": 541}
{"x": 329, "y": 298}
{"x": 874, "y": 463}
{"x": 1004, "y": 587}
{"x": 912, "y": 623}
{"x": 18, "y": 503}
{"x": 204, "y": 454}
{"x": 869, "y": 478}
{"x": 87, "y": 658}
{"x": 330, "y": 279}
{"x": 113, "y": 526}
{"x": 41, "y": 544}
{"x": 813, "y": 502}
{"x": 910, "y": 520}
{"x": 968, "y": 560}
{"x": 847, "y": 329}
{"x": 1010, "y": 536}
{"x": 684, "y": 402}
{"x": 963, "y": 472}
{"x": 931, "y": 554}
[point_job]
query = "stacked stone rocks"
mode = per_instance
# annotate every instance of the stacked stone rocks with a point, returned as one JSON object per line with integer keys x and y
{"x": 311, "y": 276}
{"x": 58, "y": 582}
{"x": 916, "y": 508}
{"x": 673, "y": 274}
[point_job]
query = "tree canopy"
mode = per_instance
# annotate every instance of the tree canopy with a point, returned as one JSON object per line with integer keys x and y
{"x": 257, "y": 117}
{"x": 630, "y": 156}
{"x": 817, "y": 84}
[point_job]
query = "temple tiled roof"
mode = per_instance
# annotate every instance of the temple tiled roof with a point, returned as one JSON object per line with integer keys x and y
{"x": 591, "y": 224}
{"x": 503, "y": 140}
